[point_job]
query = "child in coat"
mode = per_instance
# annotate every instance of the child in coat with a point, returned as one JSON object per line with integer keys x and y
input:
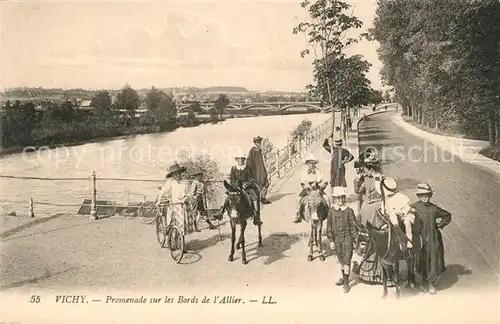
{"x": 341, "y": 232}
{"x": 432, "y": 219}
{"x": 198, "y": 196}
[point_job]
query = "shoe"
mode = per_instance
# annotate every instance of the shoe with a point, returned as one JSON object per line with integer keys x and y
{"x": 432, "y": 290}
{"x": 257, "y": 223}
{"x": 265, "y": 201}
{"x": 340, "y": 282}
{"x": 297, "y": 219}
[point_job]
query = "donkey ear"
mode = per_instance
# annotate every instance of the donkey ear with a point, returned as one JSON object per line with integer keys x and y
{"x": 227, "y": 185}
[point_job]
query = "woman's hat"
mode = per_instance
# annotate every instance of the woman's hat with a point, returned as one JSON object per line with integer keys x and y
{"x": 175, "y": 168}
{"x": 338, "y": 192}
{"x": 257, "y": 139}
{"x": 338, "y": 141}
{"x": 390, "y": 185}
{"x": 424, "y": 189}
{"x": 311, "y": 158}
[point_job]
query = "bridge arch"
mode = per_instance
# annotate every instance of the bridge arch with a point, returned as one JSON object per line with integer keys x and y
{"x": 301, "y": 105}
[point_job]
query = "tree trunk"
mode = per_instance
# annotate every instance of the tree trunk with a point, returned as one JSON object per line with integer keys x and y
{"x": 497, "y": 133}
{"x": 491, "y": 129}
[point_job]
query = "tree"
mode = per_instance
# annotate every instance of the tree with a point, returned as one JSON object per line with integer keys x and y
{"x": 376, "y": 97}
{"x": 442, "y": 58}
{"x": 196, "y": 107}
{"x": 127, "y": 99}
{"x": 101, "y": 102}
{"x": 220, "y": 104}
{"x": 326, "y": 34}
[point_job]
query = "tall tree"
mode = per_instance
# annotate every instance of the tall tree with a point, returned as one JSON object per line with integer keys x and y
{"x": 101, "y": 102}
{"x": 127, "y": 99}
{"x": 326, "y": 33}
{"x": 220, "y": 104}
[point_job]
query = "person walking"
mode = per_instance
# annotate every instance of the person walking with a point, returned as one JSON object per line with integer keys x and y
{"x": 433, "y": 219}
{"x": 340, "y": 157}
{"x": 341, "y": 232}
{"x": 198, "y": 200}
{"x": 255, "y": 162}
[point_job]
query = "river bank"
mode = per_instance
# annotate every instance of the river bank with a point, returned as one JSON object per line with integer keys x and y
{"x": 125, "y": 134}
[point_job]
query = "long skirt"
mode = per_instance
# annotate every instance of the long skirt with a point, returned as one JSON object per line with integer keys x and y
{"x": 183, "y": 216}
{"x": 370, "y": 271}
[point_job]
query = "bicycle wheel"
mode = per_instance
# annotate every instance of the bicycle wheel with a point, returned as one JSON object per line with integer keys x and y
{"x": 176, "y": 243}
{"x": 147, "y": 212}
{"x": 161, "y": 231}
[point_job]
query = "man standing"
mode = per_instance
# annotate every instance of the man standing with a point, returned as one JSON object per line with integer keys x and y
{"x": 255, "y": 162}
{"x": 340, "y": 157}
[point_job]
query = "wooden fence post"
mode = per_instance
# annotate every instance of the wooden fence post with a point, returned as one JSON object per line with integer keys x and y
{"x": 93, "y": 207}
{"x": 32, "y": 212}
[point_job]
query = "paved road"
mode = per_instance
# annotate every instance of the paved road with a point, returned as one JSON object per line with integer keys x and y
{"x": 470, "y": 193}
{"x": 113, "y": 255}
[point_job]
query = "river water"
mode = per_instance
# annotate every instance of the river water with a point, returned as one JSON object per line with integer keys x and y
{"x": 141, "y": 156}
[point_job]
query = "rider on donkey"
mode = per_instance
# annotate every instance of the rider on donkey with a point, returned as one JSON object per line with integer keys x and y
{"x": 311, "y": 177}
{"x": 241, "y": 177}
{"x": 397, "y": 207}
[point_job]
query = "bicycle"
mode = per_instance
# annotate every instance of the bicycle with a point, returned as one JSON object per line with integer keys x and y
{"x": 170, "y": 235}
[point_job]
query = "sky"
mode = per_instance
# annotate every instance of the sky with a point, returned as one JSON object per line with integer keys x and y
{"x": 106, "y": 44}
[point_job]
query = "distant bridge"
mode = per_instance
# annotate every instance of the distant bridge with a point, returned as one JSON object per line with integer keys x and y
{"x": 278, "y": 106}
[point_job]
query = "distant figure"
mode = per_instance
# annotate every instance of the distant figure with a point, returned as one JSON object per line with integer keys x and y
{"x": 340, "y": 157}
{"x": 255, "y": 162}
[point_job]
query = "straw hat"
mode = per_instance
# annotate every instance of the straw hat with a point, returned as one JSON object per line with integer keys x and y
{"x": 173, "y": 169}
{"x": 338, "y": 192}
{"x": 257, "y": 139}
{"x": 424, "y": 189}
{"x": 311, "y": 158}
{"x": 390, "y": 186}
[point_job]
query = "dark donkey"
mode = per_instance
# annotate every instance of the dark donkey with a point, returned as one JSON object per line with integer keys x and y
{"x": 316, "y": 210}
{"x": 239, "y": 211}
{"x": 388, "y": 253}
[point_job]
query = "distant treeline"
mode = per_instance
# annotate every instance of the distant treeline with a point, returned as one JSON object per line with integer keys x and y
{"x": 61, "y": 123}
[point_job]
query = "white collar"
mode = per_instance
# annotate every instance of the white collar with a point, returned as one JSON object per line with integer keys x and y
{"x": 240, "y": 167}
{"x": 337, "y": 207}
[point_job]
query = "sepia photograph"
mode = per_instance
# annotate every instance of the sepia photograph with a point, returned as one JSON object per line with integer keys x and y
{"x": 286, "y": 161}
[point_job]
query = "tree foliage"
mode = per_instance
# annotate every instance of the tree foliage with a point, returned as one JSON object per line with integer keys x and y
{"x": 221, "y": 103}
{"x": 442, "y": 58}
{"x": 101, "y": 101}
{"x": 128, "y": 99}
{"x": 339, "y": 80}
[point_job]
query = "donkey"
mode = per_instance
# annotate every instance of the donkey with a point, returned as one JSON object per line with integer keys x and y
{"x": 239, "y": 212}
{"x": 384, "y": 244}
{"x": 316, "y": 210}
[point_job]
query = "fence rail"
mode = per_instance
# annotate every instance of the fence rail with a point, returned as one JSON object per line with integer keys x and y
{"x": 278, "y": 162}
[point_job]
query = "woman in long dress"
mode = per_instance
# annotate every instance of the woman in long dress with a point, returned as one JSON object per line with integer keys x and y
{"x": 176, "y": 190}
{"x": 370, "y": 271}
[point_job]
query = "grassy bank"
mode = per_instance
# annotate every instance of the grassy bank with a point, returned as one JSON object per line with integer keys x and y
{"x": 489, "y": 152}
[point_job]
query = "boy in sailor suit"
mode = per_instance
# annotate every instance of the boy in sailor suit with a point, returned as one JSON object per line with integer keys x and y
{"x": 310, "y": 179}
